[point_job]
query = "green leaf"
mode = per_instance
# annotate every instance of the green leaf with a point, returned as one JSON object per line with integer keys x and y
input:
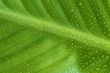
{"x": 54, "y": 36}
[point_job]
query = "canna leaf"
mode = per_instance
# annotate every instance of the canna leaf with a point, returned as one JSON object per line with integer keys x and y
{"x": 54, "y": 36}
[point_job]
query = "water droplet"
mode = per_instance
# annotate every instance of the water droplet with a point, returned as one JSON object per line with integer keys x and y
{"x": 48, "y": 0}
{"x": 97, "y": 51}
{"x": 28, "y": 64}
{"x": 27, "y": 30}
{"x": 93, "y": 64}
{"x": 98, "y": 68}
{"x": 108, "y": 63}
{"x": 7, "y": 58}
{"x": 80, "y": 4}
{"x": 103, "y": 56}
{"x": 72, "y": 10}
{"x": 91, "y": 70}
{"x": 107, "y": 57}
{"x": 93, "y": 58}
{"x": 105, "y": 66}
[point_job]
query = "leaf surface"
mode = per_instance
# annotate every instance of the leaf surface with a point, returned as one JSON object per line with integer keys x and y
{"x": 54, "y": 36}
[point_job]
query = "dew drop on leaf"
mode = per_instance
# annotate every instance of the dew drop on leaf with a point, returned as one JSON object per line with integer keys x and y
{"x": 48, "y": 0}
{"x": 93, "y": 58}
{"x": 105, "y": 66}
{"x": 28, "y": 64}
{"x": 80, "y": 4}
{"x": 7, "y": 58}
{"x": 107, "y": 57}
{"x": 93, "y": 64}
{"x": 98, "y": 68}
{"x": 72, "y": 10}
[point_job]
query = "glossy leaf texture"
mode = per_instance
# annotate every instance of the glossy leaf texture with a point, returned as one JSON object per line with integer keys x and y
{"x": 54, "y": 36}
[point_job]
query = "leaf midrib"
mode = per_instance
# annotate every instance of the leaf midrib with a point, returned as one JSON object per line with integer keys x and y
{"x": 67, "y": 33}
